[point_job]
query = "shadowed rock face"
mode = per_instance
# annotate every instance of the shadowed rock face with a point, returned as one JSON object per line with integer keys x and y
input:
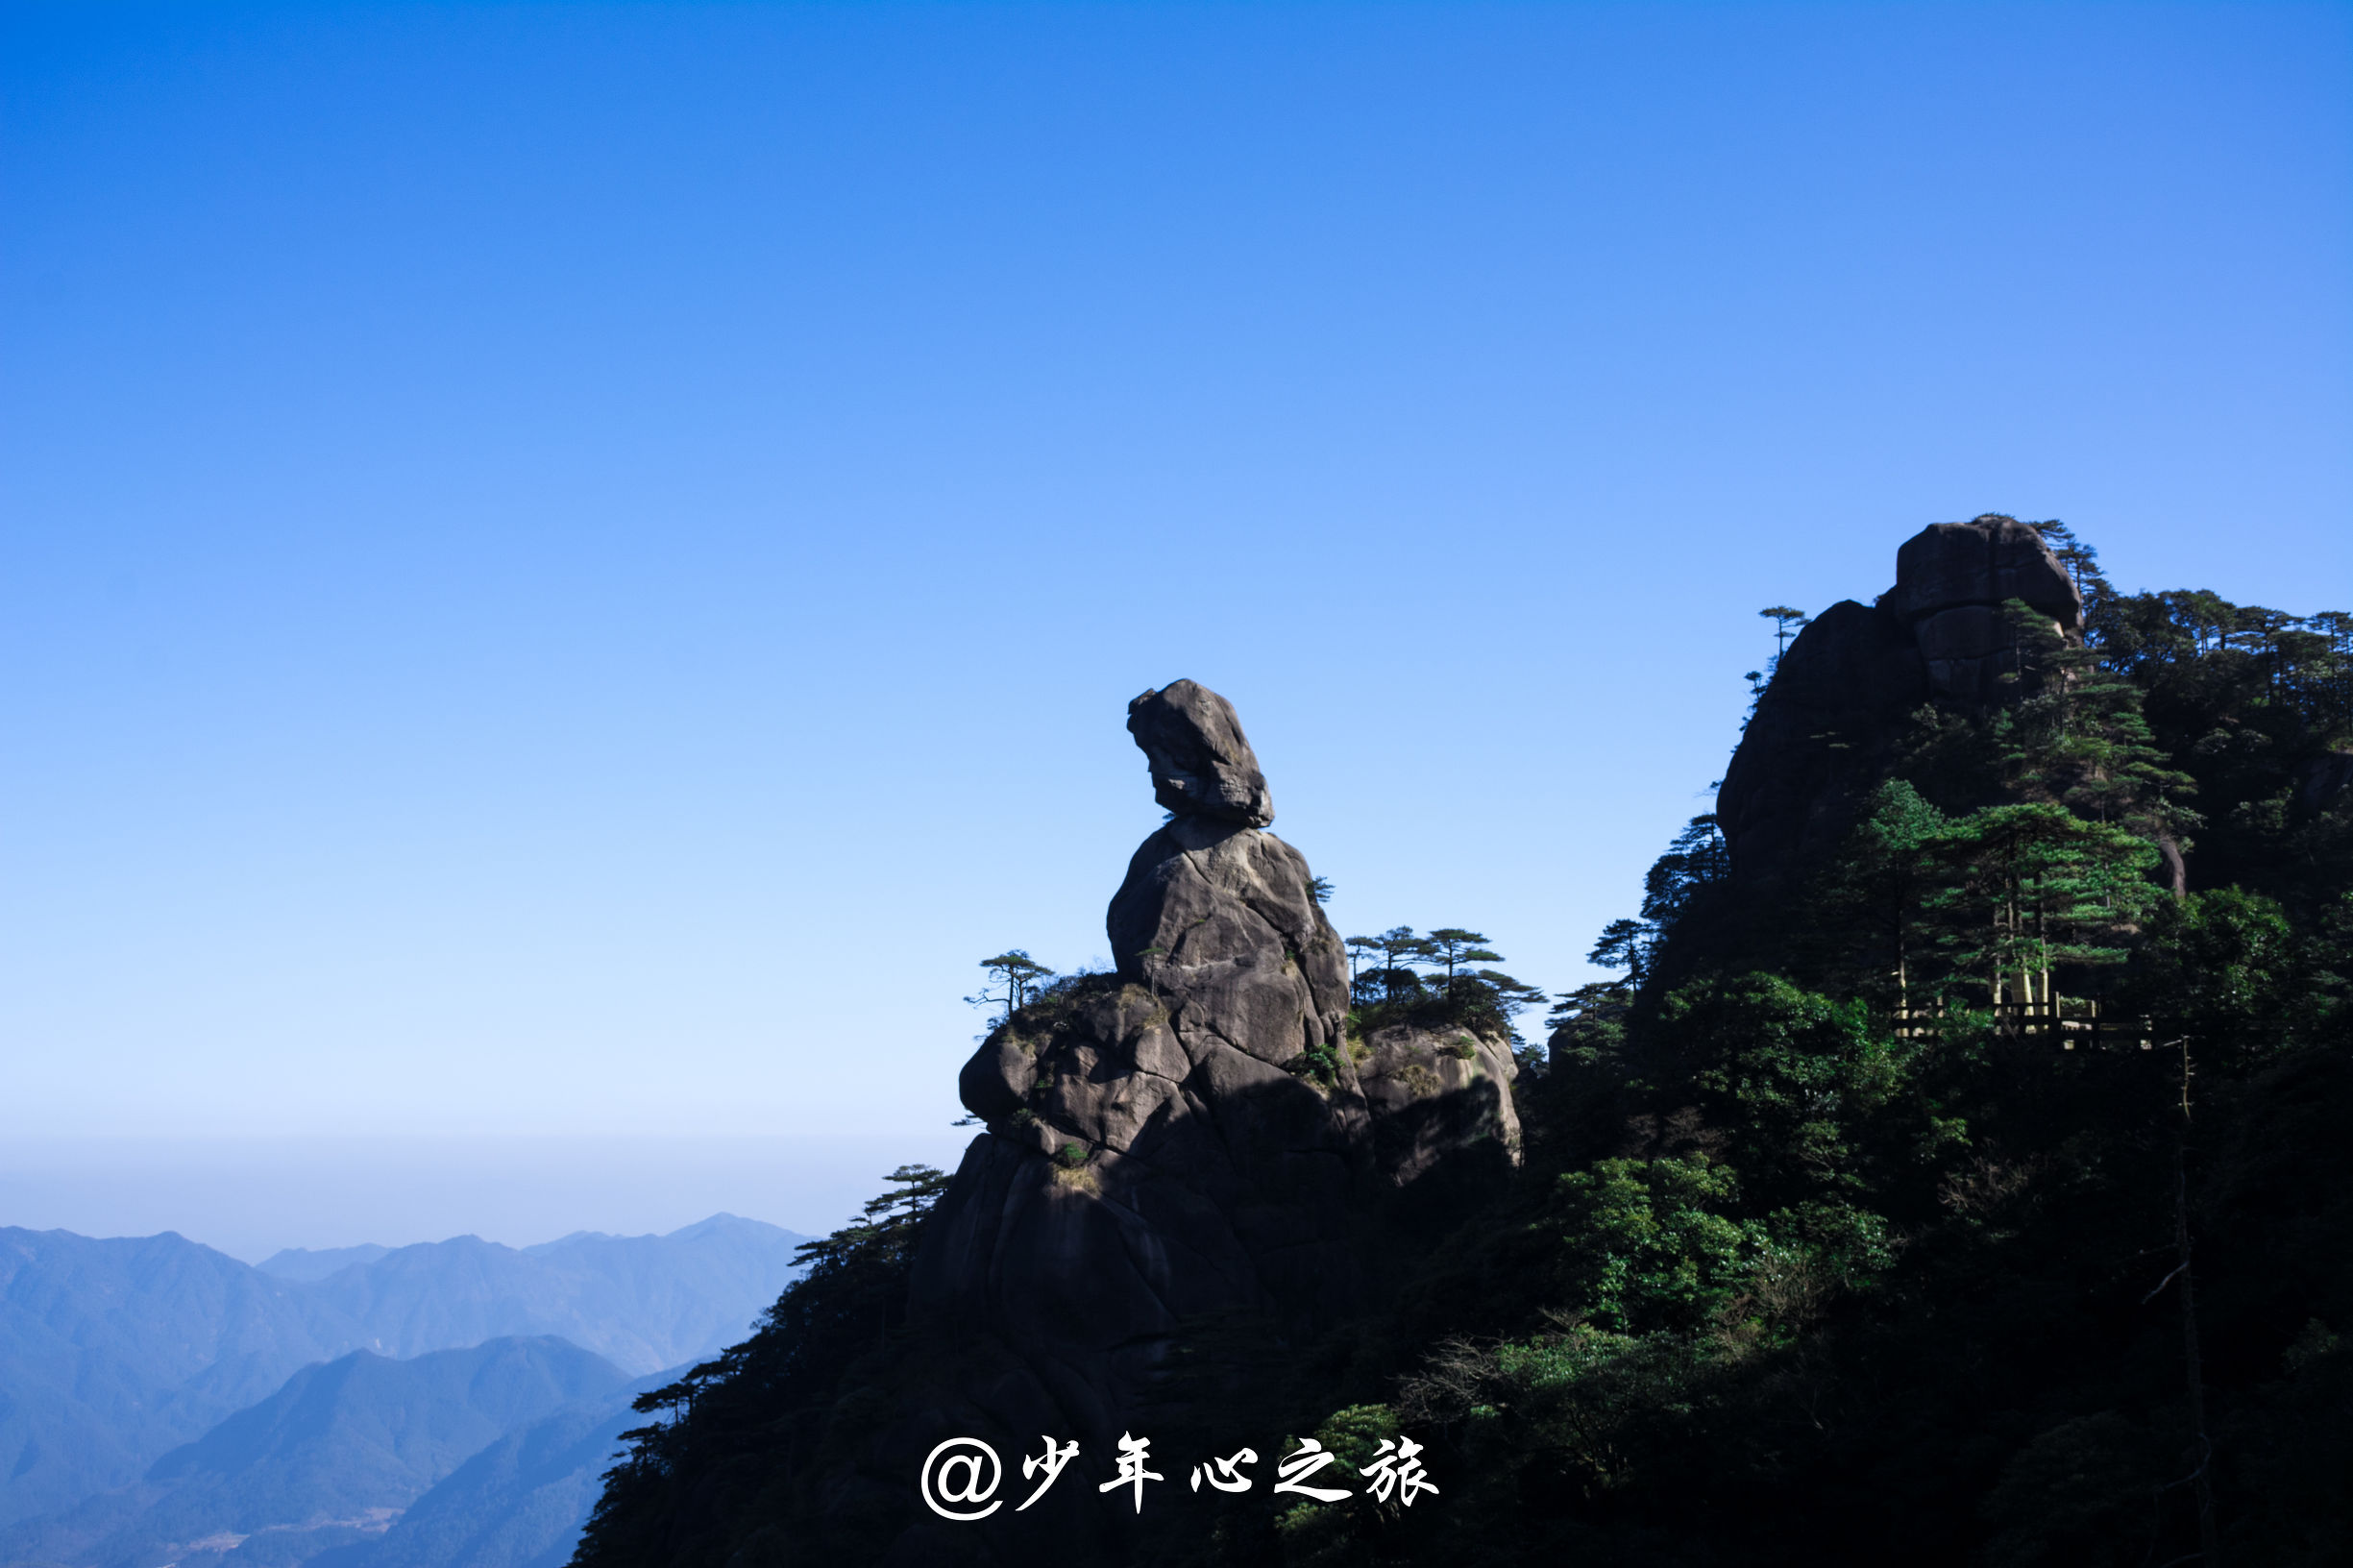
{"x": 1846, "y": 687}
{"x": 1952, "y": 580}
{"x": 1819, "y": 736}
{"x": 1201, "y": 764}
{"x": 1990, "y": 561}
{"x": 1183, "y": 1141}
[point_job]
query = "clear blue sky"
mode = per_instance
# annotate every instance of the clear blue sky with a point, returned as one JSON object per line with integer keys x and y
{"x": 566, "y": 571}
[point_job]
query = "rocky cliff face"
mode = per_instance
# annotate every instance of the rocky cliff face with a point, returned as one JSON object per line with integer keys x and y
{"x": 1185, "y": 1141}
{"x": 1847, "y": 685}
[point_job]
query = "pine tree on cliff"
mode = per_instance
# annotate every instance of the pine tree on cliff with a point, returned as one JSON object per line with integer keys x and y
{"x": 2081, "y": 560}
{"x": 2034, "y": 886}
{"x": 2078, "y": 737}
{"x": 1695, "y": 862}
{"x": 1451, "y": 944}
{"x": 1625, "y": 945}
{"x": 1788, "y": 622}
{"x": 1400, "y": 949}
{"x": 737, "y": 1422}
{"x": 1014, "y": 979}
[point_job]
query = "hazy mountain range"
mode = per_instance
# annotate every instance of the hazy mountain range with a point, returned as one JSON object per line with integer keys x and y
{"x": 303, "y": 1263}
{"x": 332, "y": 1460}
{"x": 155, "y": 1392}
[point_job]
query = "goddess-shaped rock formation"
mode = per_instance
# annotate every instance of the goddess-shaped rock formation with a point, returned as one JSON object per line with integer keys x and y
{"x": 1179, "y": 1137}
{"x": 1182, "y": 1141}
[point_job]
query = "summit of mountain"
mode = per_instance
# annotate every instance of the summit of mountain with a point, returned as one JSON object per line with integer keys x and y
{"x": 307, "y": 1264}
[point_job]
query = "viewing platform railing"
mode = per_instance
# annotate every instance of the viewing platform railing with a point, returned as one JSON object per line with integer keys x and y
{"x": 2072, "y": 1023}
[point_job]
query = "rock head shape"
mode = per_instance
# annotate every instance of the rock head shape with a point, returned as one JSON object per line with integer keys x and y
{"x": 1202, "y": 765}
{"x": 1952, "y": 583}
{"x": 1985, "y": 562}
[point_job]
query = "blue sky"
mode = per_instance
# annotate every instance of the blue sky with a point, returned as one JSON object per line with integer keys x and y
{"x": 566, "y": 571}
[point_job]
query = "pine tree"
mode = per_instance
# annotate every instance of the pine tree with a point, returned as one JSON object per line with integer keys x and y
{"x": 1400, "y": 949}
{"x": 1625, "y": 945}
{"x": 1451, "y": 944}
{"x": 1014, "y": 979}
{"x": 2081, "y": 560}
{"x": 2030, "y": 887}
{"x": 1696, "y": 861}
{"x": 1788, "y": 622}
{"x": 2078, "y": 737}
{"x": 1882, "y": 879}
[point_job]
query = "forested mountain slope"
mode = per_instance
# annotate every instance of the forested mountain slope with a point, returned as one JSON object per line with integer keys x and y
{"x": 519, "y": 1503}
{"x": 1958, "y": 1173}
{"x": 112, "y": 1351}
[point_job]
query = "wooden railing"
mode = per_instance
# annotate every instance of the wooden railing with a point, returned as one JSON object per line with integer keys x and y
{"x": 2072, "y": 1023}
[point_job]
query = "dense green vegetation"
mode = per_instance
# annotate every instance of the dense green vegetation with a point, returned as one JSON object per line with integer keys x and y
{"x": 1830, "y": 1249}
{"x": 1984, "y": 1199}
{"x": 743, "y": 1440}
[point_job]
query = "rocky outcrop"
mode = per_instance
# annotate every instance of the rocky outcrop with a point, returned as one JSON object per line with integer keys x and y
{"x": 1843, "y": 692}
{"x": 1438, "y": 1096}
{"x": 1952, "y": 583}
{"x": 1222, "y": 922}
{"x": 1818, "y": 739}
{"x": 1184, "y": 1141}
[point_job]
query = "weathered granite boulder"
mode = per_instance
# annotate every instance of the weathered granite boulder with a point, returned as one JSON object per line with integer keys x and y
{"x": 1442, "y": 1095}
{"x": 1222, "y": 920}
{"x": 1197, "y": 1102}
{"x": 1201, "y": 763}
{"x": 1989, "y": 561}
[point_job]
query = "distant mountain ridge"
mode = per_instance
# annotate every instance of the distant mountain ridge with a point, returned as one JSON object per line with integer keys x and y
{"x": 303, "y": 1263}
{"x": 642, "y": 1301}
{"x": 329, "y": 1459}
{"x": 114, "y": 1351}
